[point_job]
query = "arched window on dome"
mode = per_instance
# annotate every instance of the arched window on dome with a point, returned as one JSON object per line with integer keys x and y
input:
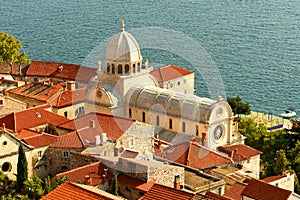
{"x": 113, "y": 69}
{"x": 133, "y": 68}
{"x": 120, "y": 70}
{"x": 126, "y": 69}
{"x": 139, "y": 67}
{"x": 108, "y": 68}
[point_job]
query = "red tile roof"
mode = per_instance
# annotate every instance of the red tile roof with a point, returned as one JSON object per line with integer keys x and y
{"x": 31, "y": 118}
{"x": 94, "y": 171}
{"x": 68, "y": 97}
{"x": 169, "y": 72}
{"x": 215, "y": 196}
{"x": 135, "y": 183}
{"x": 75, "y": 191}
{"x": 235, "y": 192}
{"x": 192, "y": 154}
{"x": 70, "y": 140}
{"x": 239, "y": 152}
{"x": 262, "y": 191}
{"x": 160, "y": 192}
{"x": 55, "y": 95}
{"x": 113, "y": 126}
{"x": 129, "y": 154}
{"x": 24, "y": 133}
{"x": 68, "y": 71}
{"x": 40, "y": 140}
{"x": 272, "y": 178}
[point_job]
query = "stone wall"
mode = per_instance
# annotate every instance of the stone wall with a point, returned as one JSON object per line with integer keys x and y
{"x": 9, "y": 105}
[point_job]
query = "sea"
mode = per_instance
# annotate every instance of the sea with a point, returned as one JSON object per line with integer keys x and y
{"x": 249, "y": 48}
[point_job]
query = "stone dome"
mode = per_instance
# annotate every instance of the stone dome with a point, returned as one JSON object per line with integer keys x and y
{"x": 123, "y": 48}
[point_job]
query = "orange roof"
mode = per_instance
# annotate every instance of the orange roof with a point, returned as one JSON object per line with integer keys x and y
{"x": 60, "y": 70}
{"x": 94, "y": 171}
{"x": 70, "y": 140}
{"x": 235, "y": 192}
{"x": 113, "y": 126}
{"x": 215, "y": 196}
{"x": 161, "y": 192}
{"x": 40, "y": 140}
{"x": 272, "y": 178}
{"x": 262, "y": 191}
{"x": 135, "y": 183}
{"x": 239, "y": 152}
{"x": 169, "y": 72}
{"x": 75, "y": 191}
{"x": 31, "y": 118}
{"x": 24, "y": 133}
{"x": 129, "y": 154}
{"x": 192, "y": 154}
{"x": 68, "y": 97}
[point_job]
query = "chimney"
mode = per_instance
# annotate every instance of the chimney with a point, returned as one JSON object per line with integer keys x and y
{"x": 92, "y": 123}
{"x": 60, "y": 68}
{"x": 116, "y": 152}
{"x": 87, "y": 179}
{"x": 71, "y": 85}
{"x": 220, "y": 98}
{"x": 97, "y": 139}
{"x": 177, "y": 182}
{"x": 104, "y": 137}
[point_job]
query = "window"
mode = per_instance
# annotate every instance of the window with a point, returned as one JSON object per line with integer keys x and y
{"x": 184, "y": 81}
{"x": 126, "y": 68}
{"x": 66, "y": 154}
{"x": 219, "y": 190}
{"x": 170, "y": 124}
{"x": 6, "y": 167}
{"x": 76, "y": 85}
{"x": 35, "y": 79}
{"x": 130, "y": 113}
{"x": 178, "y": 83}
{"x": 131, "y": 142}
{"x": 1, "y": 102}
{"x": 133, "y": 68}
{"x": 197, "y": 130}
{"x": 143, "y": 117}
{"x": 171, "y": 85}
{"x": 185, "y": 92}
{"x": 120, "y": 69}
{"x": 64, "y": 168}
{"x": 157, "y": 120}
{"x": 183, "y": 127}
{"x": 108, "y": 68}
{"x": 4, "y": 143}
{"x": 127, "y": 189}
{"x": 39, "y": 154}
{"x": 66, "y": 113}
{"x": 113, "y": 70}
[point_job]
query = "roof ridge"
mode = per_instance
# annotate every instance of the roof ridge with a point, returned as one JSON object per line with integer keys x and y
{"x": 79, "y": 168}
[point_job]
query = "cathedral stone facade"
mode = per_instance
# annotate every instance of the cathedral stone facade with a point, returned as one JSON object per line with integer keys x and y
{"x": 125, "y": 87}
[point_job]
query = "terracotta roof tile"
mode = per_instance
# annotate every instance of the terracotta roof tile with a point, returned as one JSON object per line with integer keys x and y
{"x": 129, "y": 154}
{"x": 68, "y": 71}
{"x": 70, "y": 140}
{"x": 160, "y": 192}
{"x": 68, "y": 97}
{"x": 135, "y": 183}
{"x": 169, "y": 72}
{"x": 113, "y": 126}
{"x": 76, "y": 191}
{"x": 192, "y": 154}
{"x": 94, "y": 171}
{"x": 272, "y": 178}
{"x": 31, "y": 118}
{"x": 262, "y": 191}
{"x": 235, "y": 192}
{"x": 40, "y": 140}
{"x": 24, "y": 133}
{"x": 215, "y": 196}
{"x": 239, "y": 152}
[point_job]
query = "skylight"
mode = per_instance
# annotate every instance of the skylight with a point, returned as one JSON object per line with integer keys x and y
{"x": 171, "y": 150}
{"x": 38, "y": 114}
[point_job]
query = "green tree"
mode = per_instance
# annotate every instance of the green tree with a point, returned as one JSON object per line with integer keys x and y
{"x": 237, "y": 106}
{"x": 114, "y": 186}
{"x": 10, "y": 50}
{"x": 34, "y": 187}
{"x": 58, "y": 181}
{"x": 22, "y": 168}
{"x": 281, "y": 162}
{"x": 48, "y": 185}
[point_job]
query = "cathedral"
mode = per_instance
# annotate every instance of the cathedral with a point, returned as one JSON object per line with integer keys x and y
{"x": 125, "y": 87}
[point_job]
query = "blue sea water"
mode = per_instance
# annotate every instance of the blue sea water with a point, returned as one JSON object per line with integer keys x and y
{"x": 254, "y": 44}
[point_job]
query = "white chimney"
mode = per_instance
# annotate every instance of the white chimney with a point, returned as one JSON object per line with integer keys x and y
{"x": 104, "y": 137}
{"x": 97, "y": 139}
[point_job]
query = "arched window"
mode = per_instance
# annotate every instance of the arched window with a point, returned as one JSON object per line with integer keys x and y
{"x": 126, "y": 69}
{"x": 170, "y": 124}
{"x": 197, "y": 130}
{"x": 183, "y": 127}
{"x": 130, "y": 113}
{"x": 108, "y": 68}
{"x": 139, "y": 67}
{"x": 6, "y": 167}
{"x": 133, "y": 68}
{"x": 113, "y": 70}
{"x": 120, "y": 70}
{"x": 157, "y": 120}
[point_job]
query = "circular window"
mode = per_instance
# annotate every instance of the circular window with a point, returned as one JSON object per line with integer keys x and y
{"x": 218, "y": 132}
{"x": 4, "y": 143}
{"x": 6, "y": 167}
